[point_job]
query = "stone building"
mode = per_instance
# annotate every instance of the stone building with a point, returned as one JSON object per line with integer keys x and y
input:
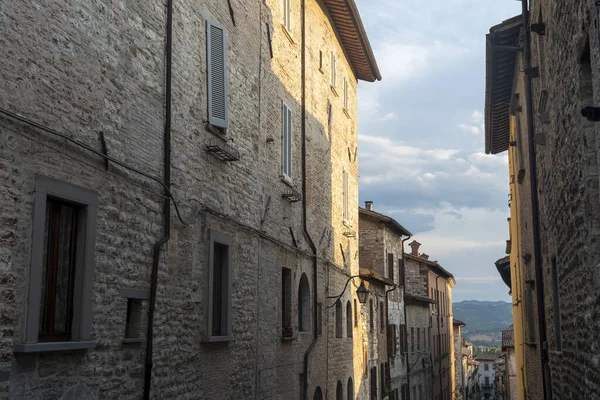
{"x": 485, "y": 374}
{"x": 437, "y": 283}
{"x": 459, "y": 373}
{"x": 419, "y": 349}
{"x": 179, "y": 191}
{"x": 381, "y": 258}
{"x": 505, "y": 368}
{"x": 536, "y": 109}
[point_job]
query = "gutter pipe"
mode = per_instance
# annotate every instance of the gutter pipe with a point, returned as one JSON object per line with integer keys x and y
{"x": 304, "y": 205}
{"x": 167, "y": 203}
{"x": 539, "y": 274}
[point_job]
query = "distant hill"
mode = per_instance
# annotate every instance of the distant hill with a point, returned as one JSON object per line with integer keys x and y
{"x": 485, "y": 320}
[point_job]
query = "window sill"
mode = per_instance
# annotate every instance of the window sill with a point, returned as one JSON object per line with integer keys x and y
{"x": 347, "y": 113}
{"x": 53, "y": 346}
{"x": 287, "y": 181}
{"x": 287, "y": 34}
{"x": 321, "y": 71}
{"x": 289, "y": 338}
{"x": 217, "y": 339}
{"x": 334, "y": 91}
{"x": 132, "y": 340}
{"x": 221, "y": 133}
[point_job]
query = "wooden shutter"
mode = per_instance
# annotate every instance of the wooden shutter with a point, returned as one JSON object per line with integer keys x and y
{"x": 345, "y": 189}
{"x": 286, "y": 140}
{"x": 216, "y": 60}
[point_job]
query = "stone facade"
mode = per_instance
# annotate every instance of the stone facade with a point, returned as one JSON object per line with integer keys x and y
{"x": 567, "y": 56}
{"x": 459, "y": 379}
{"x": 429, "y": 277}
{"x": 381, "y": 253}
{"x": 85, "y": 68}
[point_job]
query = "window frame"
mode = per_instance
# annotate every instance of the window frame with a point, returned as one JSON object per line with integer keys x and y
{"x": 286, "y": 142}
{"x": 81, "y": 324}
{"x": 224, "y": 240}
{"x": 222, "y": 123}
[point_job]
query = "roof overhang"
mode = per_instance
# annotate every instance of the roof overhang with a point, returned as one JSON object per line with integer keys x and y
{"x": 458, "y": 322}
{"x": 503, "y": 267}
{"x": 349, "y": 26}
{"x": 370, "y": 275}
{"x": 390, "y": 222}
{"x": 435, "y": 267}
{"x": 417, "y": 299}
{"x": 501, "y": 54}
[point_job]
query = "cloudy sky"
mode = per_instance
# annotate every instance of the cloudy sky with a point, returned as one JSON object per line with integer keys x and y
{"x": 422, "y": 157}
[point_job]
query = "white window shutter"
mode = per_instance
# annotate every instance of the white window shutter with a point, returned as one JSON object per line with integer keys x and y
{"x": 286, "y": 140}
{"x": 216, "y": 60}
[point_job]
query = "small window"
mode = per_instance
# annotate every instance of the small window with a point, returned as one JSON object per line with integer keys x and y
{"x": 339, "y": 391}
{"x": 303, "y": 305}
{"x": 133, "y": 323}
{"x": 350, "y": 390}
{"x": 286, "y": 302}
{"x": 286, "y": 140}
{"x": 381, "y": 316}
{"x": 371, "y": 316}
{"x": 355, "y": 314}
{"x": 373, "y": 382}
{"x": 287, "y": 15}
{"x": 319, "y": 318}
{"x": 349, "y": 319}
{"x": 390, "y": 265}
{"x": 345, "y": 194}
{"x": 345, "y": 94}
{"x": 486, "y": 367}
{"x": 382, "y": 380}
{"x": 62, "y": 266}
{"x": 219, "y": 285}
{"x": 318, "y": 394}
{"x": 418, "y": 339}
{"x": 401, "y": 276}
{"x": 412, "y": 339}
{"x": 333, "y": 71}
{"x": 216, "y": 48}
{"x": 338, "y": 319}
{"x": 320, "y": 61}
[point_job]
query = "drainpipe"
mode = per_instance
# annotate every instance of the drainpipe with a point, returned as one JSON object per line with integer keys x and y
{"x": 405, "y": 317}
{"x": 166, "y": 206}
{"x": 313, "y": 247}
{"x": 539, "y": 274}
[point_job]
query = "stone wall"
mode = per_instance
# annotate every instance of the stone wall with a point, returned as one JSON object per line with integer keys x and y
{"x": 90, "y": 67}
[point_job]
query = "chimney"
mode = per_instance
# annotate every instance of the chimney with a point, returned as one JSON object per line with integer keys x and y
{"x": 425, "y": 256}
{"x": 369, "y": 205}
{"x": 414, "y": 245}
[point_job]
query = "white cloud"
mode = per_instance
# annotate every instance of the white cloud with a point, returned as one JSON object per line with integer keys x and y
{"x": 389, "y": 117}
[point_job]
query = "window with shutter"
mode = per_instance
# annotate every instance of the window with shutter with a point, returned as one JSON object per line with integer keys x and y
{"x": 345, "y": 94}
{"x": 345, "y": 183}
{"x": 287, "y": 15}
{"x": 286, "y": 141}
{"x": 216, "y": 50}
{"x": 333, "y": 75}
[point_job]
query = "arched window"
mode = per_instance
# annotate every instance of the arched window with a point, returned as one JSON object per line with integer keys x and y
{"x": 339, "y": 391}
{"x": 350, "y": 390}
{"x": 338, "y": 319}
{"x": 349, "y": 319}
{"x": 318, "y": 394}
{"x": 303, "y": 305}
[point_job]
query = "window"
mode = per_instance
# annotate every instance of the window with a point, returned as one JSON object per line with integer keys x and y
{"x": 381, "y": 316}
{"x": 349, "y": 319}
{"x": 319, "y": 318}
{"x": 486, "y": 367}
{"x": 403, "y": 340}
{"x": 418, "y": 339}
{"x": 373, "y": 382}
{"x": 219, "y": 289}
{"x": 320, "y": 61}
{"x": 390, "y": 265}
{"x": 371, "y": 316}
{"x": 216, "y": 49}
{"x": 345, "y": 94}
{"x": 382, "y": 380}
{"x": 414, "y": 392}
{"x": 333, "y": 73}
{"x": 286, "y": 140}
{"x": 286, "y": 302}
{"x": 62, "y": 263}
{"x": 339, "y": 391}
{"x": 338, "y": 319}
{"x": 487, "y": 380}
{"x": 355, "y": 314}
{"x": 556, "y": 306}
{"x": 412, "y": 339}
{"x": 133, "y": 323}
{"x": 318, "y": 394}
{"x": 350, "y": 390}
{"x": 329, "y": 119}
{"x": 287, "y": 15}
{"x": 303, "y": 305}
{"x": 401, "y": 277}
{"x": 345, "y": 188}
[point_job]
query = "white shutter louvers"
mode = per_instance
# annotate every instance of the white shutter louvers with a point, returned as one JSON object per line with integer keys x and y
{"x": 216, "y": 42}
